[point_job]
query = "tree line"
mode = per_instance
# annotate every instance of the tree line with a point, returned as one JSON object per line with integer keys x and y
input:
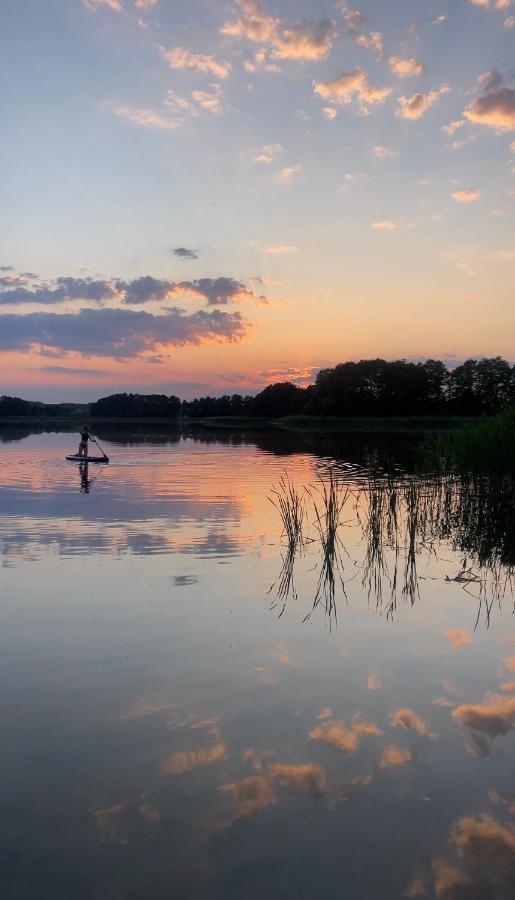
{"x": 370, "y": 387}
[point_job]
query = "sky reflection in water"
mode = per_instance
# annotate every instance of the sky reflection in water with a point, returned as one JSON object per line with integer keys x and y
{"x": 167, "y": 733}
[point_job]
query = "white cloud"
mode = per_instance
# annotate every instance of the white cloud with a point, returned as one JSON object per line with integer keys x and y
{"x": 279, "y": 249}
{"x": 145, "y": 117}
{"x": 210, "y": 101}
{"x": 181, "y": 58}
{"x": 381, "y": 152}
{"x": 406, "y": 68}
{"x": 453, "y": 126}
{"x": 115, "y": 5}
{"x": 145, "y": 4}
{"x": 439, "y": 20}
{"x": 330, "y": 112}
{"x": 415, "y": 106}
{"x": 260, "y": 63}
{"x": 268, "y": 153}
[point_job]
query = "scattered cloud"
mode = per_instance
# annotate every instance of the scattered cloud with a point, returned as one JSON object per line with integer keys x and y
{"x": 145, "y": 4}
{"x": 114, "y": 5}
{"x": 209, "y": 100}
{"x": 415, "y": 106}
{"x": 279, "y": 249}
{"x": 186, "y": 760}
{"x": 342, "y": 737}
{"x": 458, "y": 638}
{"x": 216, "y": 291}
{"x": 381, "y": 152}
{"x": 184, "y": 253}
{"x": 395, "y": 756}
{"x": 146, "y": 117}
{"x": 466, "y": 195}
{"x": 349, "y": 86}
{"x": 282, "y": 654}
{"x": 384, "y": 225}
{"x": 250, "y": 795}
{"x": 452, "y": 884}
{"x": 307, "y": 780}
{"x": 453, "y": 126}
{"x": 406, "y": 68}
{"x": 408, "y": 719}
{"x": 260, "y": 63}
{"x": 439, "y": 20}
{"x": 495, "y": 104}
{"x": 289, "y": 172}
{"x": 484, "y": 841}
{"x": 326, "y": 713}
{"x": 374, "y": 681}
{"x": 495, "y": 718}
{"x": 355, "y": 22}
{"x": 181, "y": 58}
{"x": 304, "y": 40}
{"x": 268, "y": 153}
{"x": 330, "y": 112}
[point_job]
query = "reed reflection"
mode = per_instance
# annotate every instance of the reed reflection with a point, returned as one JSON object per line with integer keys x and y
{"x": 401, "y": 519}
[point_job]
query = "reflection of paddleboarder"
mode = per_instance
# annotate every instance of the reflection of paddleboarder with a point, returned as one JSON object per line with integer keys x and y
{"x": 84, "y": 480}
{"x": 84, "y": 438}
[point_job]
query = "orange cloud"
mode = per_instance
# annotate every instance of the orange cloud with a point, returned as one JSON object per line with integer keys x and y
{"x": 466, "y": 195}
{"x": 458, "y": 638}
{"x": 495, "y": 106}
{"x": 250, "y": 795}
{"x": 484, "y": 840}
{"x": 406, "y": 68}
{"x": 301, "y": 41}
{"x": 349, "y": 86}
{"x": 385, "y": 225}
{"x": 306, "y": 780}
{"x": 184, "y": 761}
{"x": 395, "y": 756}
{"x": 411, "y": 721}
{"x": 343, "y": 738}
{"x": 415, "y": 106}
{"x": 181, "y": 58}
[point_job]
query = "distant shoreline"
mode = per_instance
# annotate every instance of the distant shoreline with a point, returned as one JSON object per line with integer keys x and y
{"x": 327, "y": 424}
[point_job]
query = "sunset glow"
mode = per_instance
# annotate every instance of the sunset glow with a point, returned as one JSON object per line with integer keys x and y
{"x": 209, "y": 197}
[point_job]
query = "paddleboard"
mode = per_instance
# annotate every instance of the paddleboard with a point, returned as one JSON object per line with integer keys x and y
{"x": 94, "y": 459}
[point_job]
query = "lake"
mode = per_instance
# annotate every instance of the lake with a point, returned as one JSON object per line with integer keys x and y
{"x": 194, "y": 708}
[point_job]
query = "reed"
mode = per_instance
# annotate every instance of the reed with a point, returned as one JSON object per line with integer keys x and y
{"x": 328, "y": 499}
{"x": 291, "y": 506}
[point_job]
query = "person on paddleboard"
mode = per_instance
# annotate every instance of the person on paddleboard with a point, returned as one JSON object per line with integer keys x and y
{"x": 84, "y": 438}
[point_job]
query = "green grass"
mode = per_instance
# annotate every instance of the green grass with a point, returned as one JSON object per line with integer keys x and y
{"x": 482, "y": 445}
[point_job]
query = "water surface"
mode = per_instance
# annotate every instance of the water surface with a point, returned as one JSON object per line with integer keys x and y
{"x": 174, "y": 726}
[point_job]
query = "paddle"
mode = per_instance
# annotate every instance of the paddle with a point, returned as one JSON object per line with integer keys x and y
{"x": 98, "y": 445}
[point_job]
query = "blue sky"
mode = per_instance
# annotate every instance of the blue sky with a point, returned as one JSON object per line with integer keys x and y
{"x": 351, "y": 169}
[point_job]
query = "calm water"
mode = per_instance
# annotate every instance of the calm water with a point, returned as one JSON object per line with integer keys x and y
{"x": 179, "y": 722}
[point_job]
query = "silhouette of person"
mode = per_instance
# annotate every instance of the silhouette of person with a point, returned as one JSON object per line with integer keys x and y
{"x": 84, "y": 438}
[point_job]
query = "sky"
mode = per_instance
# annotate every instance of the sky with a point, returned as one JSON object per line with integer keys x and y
{"x": 211, "y": 196}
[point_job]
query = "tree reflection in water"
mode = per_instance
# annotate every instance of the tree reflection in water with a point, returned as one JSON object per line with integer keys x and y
{"x": 401, "y": 519}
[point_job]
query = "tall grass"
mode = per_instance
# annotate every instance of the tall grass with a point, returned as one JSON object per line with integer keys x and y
{"x": 483, "y": 445}
{"x": 329, "y": 499}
